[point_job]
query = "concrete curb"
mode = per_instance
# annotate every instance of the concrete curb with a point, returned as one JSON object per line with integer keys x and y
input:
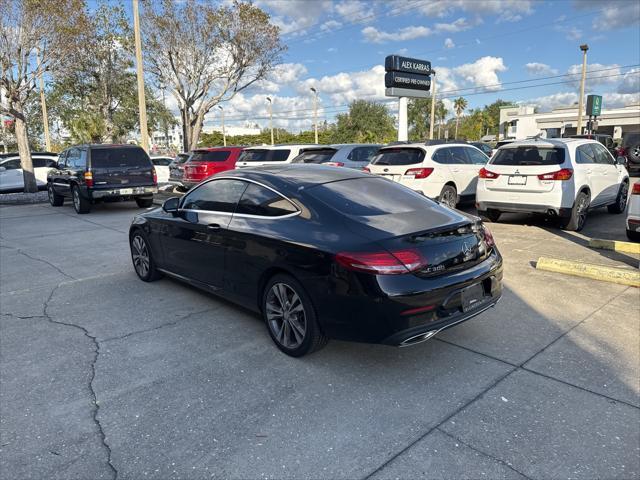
{"x": 22, "y": 198}
{"x": 616, "y": 246}
{"x": 622, "y": 276}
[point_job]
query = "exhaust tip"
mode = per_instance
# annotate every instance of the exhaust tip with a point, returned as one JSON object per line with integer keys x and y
{"x": 422, "y": 337}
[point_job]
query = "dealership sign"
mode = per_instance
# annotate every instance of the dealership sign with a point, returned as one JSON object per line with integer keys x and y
{"x": 407, "y": 77}
{"x": 594, "y": 105}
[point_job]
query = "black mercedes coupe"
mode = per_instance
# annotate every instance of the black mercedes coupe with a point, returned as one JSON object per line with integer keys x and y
{"x": 324, "y": 252}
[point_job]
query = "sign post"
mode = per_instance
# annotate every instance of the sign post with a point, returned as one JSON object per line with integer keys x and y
{"x": 406, "y": 77}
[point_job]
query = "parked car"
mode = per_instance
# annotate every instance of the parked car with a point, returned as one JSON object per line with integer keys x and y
{"x": 484, "y": 147}
{"x": 630, "y": 149}
{"x": 633, "y": 214}
{"x": 445, "y": 172}
{"x": 176, "y": 168}
{"x": 324, "y": 252}
{"x": 562, "y": 178}
{"x": 502, "y": 143}
{"x": 350, "y": 155}
{"x": 12, "y": 177}
{"x": 270, "y": 155}
{"x": 208, "y": 161}
{"x": 91, "y": 173}
{"x": 604, "y": 139}
{"x": 161, "y": 165}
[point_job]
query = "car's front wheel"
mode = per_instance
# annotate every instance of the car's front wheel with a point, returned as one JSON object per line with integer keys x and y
{"x": 621, "y": 200}
{"x": 290, "y": 317}
{"x": 143, "y": 262}
{"x": 54, "y": 199}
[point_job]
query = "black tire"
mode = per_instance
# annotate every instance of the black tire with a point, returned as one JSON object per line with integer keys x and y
{"x": 142, "y": 259}
{"x": 621, "y": 199}
{"x": 448, "y": 196}
{"x": 144, "y": 202}
{"x": 80, "y": 204}
{"x": 490, "y": 215}
{"x": 54, "y": 199}
{"x": 295, "y": 335}
{"x": 577, "y": 219}
{"x": 633, "y": 236}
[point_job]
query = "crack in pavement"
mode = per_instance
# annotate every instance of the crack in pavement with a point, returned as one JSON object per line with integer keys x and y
{"x": 46, "y": 262}
{"x": 96, "y": 353}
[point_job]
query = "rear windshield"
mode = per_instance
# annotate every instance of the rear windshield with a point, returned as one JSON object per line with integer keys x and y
{"x": 210, "y": 156}
{"x": 369, "y": 196}
{"x": 314, "y": 156}
{"x": 398, "y": 156}
{"x": 264, "y": 155}
{"x": 119, "y": 157}
{"x": 528, "y": 155}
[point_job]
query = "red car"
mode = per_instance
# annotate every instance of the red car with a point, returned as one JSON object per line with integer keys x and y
{"x": 205, "y": 162}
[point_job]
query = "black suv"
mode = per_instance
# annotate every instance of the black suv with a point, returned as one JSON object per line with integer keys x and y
{"x": 92, "y": 173}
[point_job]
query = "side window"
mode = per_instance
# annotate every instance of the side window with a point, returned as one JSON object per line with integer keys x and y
{"x": 602, "y": 155}
{"x": 39, "y": 162}
{"x": 362, "y": 154}
{"x": 62, "y": 159}
{"x": 215, "y": 196}
{"x": 261, "y": 201}
{"x": 442, "y": 155}
{"x": 72, "y": 155}
{"x": 459, "y": 156}
{"x": 584, "y": 154}
{"x": 11, "y": 164}
{"x": 477, "y": 158}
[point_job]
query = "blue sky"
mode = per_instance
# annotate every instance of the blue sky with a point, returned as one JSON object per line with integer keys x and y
{"x": 338, "y": 47}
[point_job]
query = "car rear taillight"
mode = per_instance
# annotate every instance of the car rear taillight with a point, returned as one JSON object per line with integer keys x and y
{"x": 635, "y": 190}
{"x": 366, "y": 169}
{"x": 564, "y": 174}
{"x": 382, "y": 263}
{"x": 88, "y": 179}
{"x": 419, "y": 172}
{"x": 155, "y": 176}
{"x": 334, "y": 164}
{"x": 484, "y": 173}
{"x": 488, "y": 237}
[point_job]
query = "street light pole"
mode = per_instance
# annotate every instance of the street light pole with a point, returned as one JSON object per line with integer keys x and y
{"x": 142, "y": 104}
{"x": 584, "y": 49}
{"x": 224, "y": 134}
{"x": 315, "y": 112}
{"x": 433, "y": 104}
{"x": 270, "y": 118}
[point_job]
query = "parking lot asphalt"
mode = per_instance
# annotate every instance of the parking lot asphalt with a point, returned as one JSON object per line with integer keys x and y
{"x": 104, "y": 376}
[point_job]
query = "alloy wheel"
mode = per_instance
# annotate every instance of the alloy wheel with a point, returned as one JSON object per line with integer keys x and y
{"x": 622, "y": 200}
{"x": 286, "y": 315}
{"x": 448, "y": 199}
{"x": 582, "y": 211}
{"x": 76, "y": 199}
{"x": 140, "y": 254}
{"x": 50, "y": 193}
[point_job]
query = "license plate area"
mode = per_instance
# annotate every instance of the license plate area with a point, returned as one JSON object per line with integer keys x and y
{"x": 472, "y": 297}
{"x": 517, "y": 180}
{"x": 126, "y": 191}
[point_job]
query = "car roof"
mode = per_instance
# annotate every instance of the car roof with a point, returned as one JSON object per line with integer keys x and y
{"x": 422, "y": 146}
{"x": 547, "y": 142}
{"x": 282, "y": 146}
{"x": 215, "y": 149}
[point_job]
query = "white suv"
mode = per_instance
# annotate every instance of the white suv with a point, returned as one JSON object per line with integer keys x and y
{"x": 446, "y": 172}
{"x": 270, "y": 155}
{"x": 562, "y": 178}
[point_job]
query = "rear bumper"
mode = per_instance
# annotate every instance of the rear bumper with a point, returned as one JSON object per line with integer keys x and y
{"x": 143, "y": 191}
{"x": 524, "y": 208}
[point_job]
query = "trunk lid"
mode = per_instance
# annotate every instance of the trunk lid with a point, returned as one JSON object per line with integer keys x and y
{"x": 393, "y": 163}
{"x": 118, "y": 166}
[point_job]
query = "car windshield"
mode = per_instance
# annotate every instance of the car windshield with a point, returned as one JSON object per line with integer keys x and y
{"x": 368, "y": 197}
{"x": 528, "y": 155}
{"x": 210, "y": 156}
{"x": 264, "y": 155}
{"x": 398, "y": 156}
{"x": 119, "y": 156}
{"x": 315, "y": 156}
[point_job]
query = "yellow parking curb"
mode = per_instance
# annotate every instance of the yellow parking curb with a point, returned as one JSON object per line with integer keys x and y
{"x": 622, "y": 276}
{"x": 626, "y": 247}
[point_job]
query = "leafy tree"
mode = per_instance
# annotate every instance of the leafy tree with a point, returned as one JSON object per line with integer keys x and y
{"x": 35, "y": 37}
{"x": 419, "y": 118}
{"x": 366, "y": 122}
{"x": 441, "y": 113}
{"x": 207, "y": 53}
{"x": 459, "y": 105}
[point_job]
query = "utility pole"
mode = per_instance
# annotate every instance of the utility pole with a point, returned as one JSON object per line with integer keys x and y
{"x": 315, "y": 112}
{"x": 270, "y": 117}
{"x": 584, "y": 49}
{"x": 43, "y": 103}
{"x": 142, "y": 104}
{"x": 224, "y": 134}
{"x": 433, "y": 104}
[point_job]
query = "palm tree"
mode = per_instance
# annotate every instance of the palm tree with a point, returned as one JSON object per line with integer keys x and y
{"x": 441, "y": 113}
{"x": 459, "y": 104}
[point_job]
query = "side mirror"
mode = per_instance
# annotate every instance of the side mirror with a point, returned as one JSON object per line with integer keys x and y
{"x": 170, "y": 205}
{"x": 621, "y": 161}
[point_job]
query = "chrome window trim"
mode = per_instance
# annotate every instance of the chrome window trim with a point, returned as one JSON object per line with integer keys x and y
{"x": 244, "y": 215}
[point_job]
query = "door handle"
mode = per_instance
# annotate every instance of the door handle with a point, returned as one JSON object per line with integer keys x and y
{"x": 213, "y": 226}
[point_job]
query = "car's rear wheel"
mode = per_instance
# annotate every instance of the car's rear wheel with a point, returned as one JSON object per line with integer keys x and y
{"x": 621, "y": 200}
{"x": 54, "y": 199}
{"x": 80, "y": 204}
{"x": 144, "y": 202}
{"x": 448, "y": 196}
{"x": 489, "y": 215}
{"x": 578, "y": 216}
{"x": 290, "y": 317}
{"x": 143, "y": 262}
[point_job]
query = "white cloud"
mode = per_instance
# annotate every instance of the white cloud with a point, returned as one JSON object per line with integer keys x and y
{"x": 482, "y": 73}
{"x": 630, "y": 82}
{"x": 354, "y": 10}
{"x": 458, "y": 25}
{"x": 612, "y": 15}
{"x": 536, "y": 68}
{"x": 448, "y": 43}
{"x": 373, "y": 35}
{"x": 346, "y": 87}
{"x": 597, "y": 74}
{"x": 330, "y": 25}
{"x": 295, "y": 16}
{"x": 504, "y": 10}
{"x": 332, "y": 49}
{"x": 549, "y": 102}
{"x": 617, "y": 100}
{"x": 574, "y": 34}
